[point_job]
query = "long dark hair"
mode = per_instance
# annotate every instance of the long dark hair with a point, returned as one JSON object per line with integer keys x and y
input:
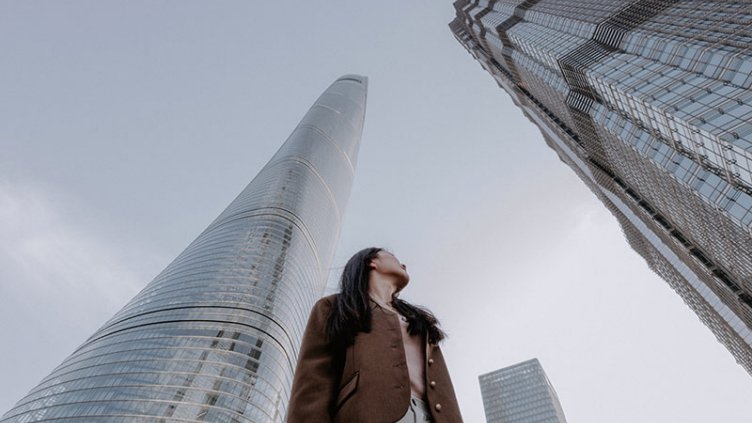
{"x": 351, "y": 312}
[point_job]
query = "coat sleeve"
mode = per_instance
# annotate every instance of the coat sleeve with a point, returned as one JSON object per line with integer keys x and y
{"x": 317, "y": 374}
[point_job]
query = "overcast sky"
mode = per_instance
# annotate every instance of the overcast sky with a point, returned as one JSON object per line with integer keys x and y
{"x": 126, "y": 127}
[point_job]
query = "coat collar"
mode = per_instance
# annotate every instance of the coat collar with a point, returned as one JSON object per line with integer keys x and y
{"x": 375, "y": 304}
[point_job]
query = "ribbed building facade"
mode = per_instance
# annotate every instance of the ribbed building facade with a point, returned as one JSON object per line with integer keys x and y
{"x": 215, "y": 336}
{"x": 649, "y": 102}
{"x": 520, "y": 393}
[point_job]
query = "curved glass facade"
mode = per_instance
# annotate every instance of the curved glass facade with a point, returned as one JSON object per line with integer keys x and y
{"x": 650, "y": 103}
{"x": 215, "y": 336}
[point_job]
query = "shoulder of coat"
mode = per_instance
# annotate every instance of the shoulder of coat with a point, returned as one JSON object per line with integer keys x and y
{"x": 325, "y": 302}
{"x": 329, "y": 299}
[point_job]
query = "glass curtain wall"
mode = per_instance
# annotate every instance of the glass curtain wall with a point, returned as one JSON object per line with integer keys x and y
{"x": 649, "y": 102}
{"x": 215, "y": 336}
{"x": 520, "y": 393}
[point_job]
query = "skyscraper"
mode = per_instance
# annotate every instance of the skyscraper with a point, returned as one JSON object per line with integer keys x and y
{"x": 214, "y": 337}
{"x": 649, "y": 103}
{"x": 520, "y": 393}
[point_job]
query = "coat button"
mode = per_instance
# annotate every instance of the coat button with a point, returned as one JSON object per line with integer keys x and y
{"x": 437, "y": 407}
{"x": 433, "y": 384}
{"x": 430, "y": 361}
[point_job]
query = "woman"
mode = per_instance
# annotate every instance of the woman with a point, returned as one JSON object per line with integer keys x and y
{"x": 368, "y": 356}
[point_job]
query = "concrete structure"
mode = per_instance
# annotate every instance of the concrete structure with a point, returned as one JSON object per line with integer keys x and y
{"x": 215, "y": 336}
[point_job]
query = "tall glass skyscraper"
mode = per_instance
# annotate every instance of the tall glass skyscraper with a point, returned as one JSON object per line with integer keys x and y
{"x": 520, "y": 394}
{"x": 649, "y": 102}
{"x": 215, "y": 336}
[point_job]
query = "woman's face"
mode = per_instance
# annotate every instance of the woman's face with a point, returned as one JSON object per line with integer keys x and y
{"x": 387, "y": 264}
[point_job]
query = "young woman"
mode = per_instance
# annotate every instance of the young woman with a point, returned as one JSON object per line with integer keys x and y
{"x": 368, "y": 356}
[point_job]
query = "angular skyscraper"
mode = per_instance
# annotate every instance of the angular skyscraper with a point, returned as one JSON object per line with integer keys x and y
{"x": 214, "y": 337}
{"x": 520, "y": 394}
{"x": 649, "y": 103}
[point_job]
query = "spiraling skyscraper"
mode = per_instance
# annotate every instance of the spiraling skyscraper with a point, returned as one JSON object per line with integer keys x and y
{"x": 215, "y": 336}
{"x": 649, "y": 102}
{"x": 520, "y": 393}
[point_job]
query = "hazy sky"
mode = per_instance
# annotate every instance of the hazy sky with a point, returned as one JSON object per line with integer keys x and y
{"x": 126, "y": 127}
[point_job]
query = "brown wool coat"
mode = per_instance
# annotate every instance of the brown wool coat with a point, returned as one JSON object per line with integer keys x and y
{"x": 367, "y": 383}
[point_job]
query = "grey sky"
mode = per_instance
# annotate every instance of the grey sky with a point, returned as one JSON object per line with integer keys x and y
{"x": 126, "y": 127}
